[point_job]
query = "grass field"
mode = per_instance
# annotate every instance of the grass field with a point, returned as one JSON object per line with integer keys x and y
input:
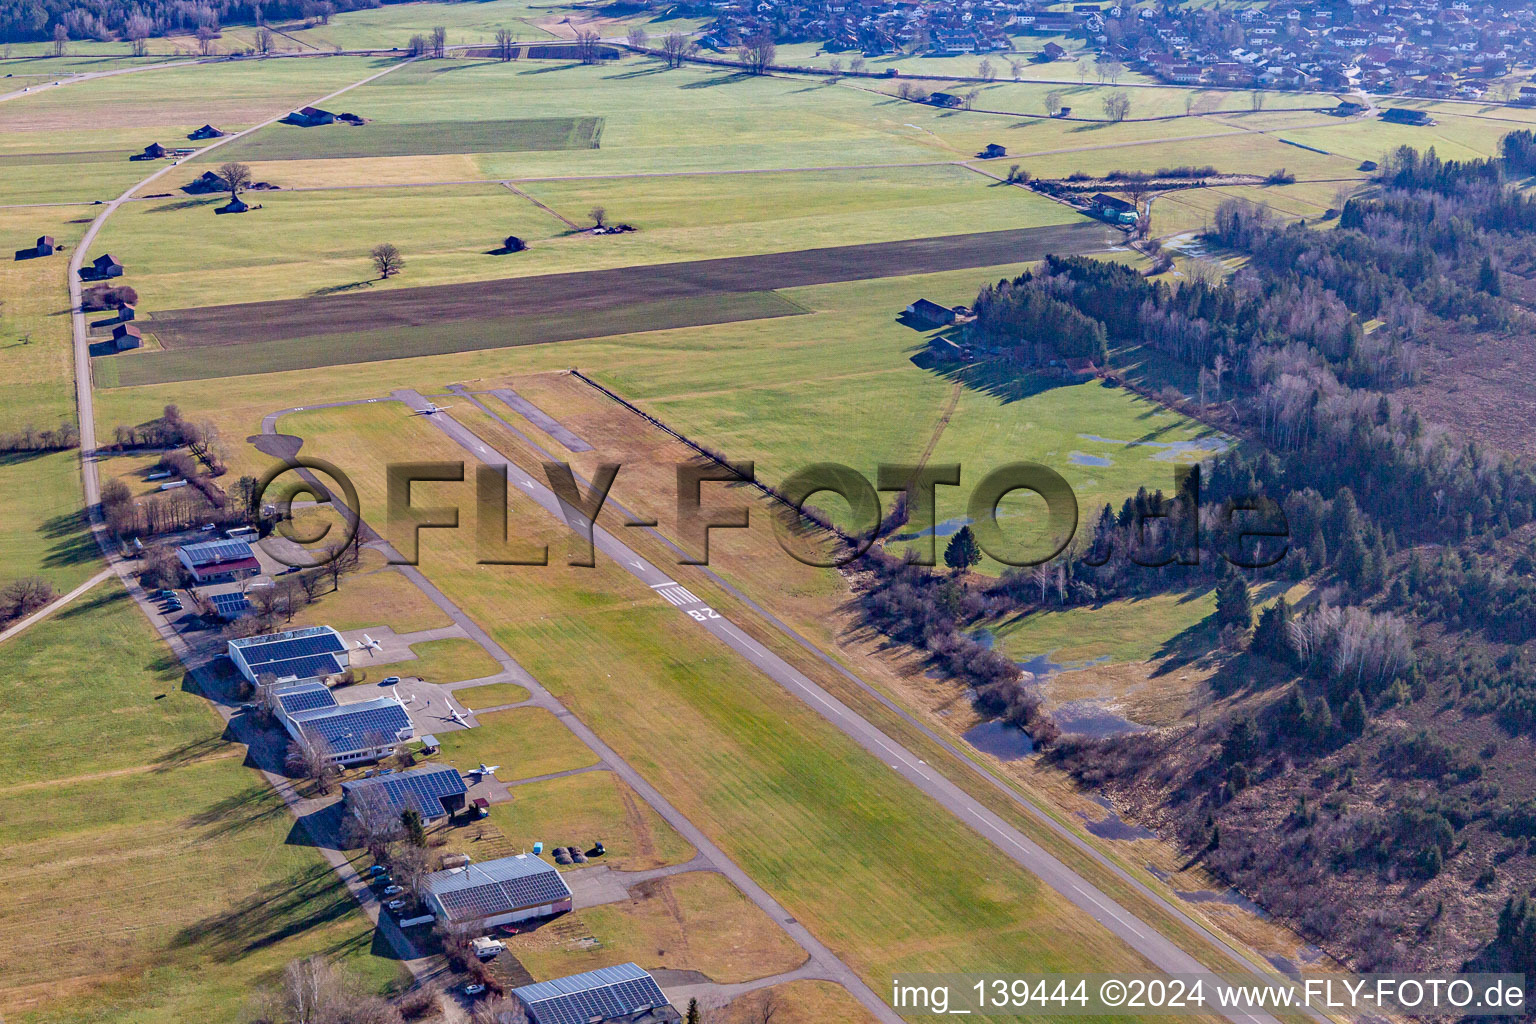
{"x": 36, "y": 382}
{"x": 376, "y": 595}
{"x": 490, "y": 695}
{"x": 444, "y": 661}
{"x": 142, "y": 794}
{"x": 695, "y": 921}
{"x": 42, "y": 528}
{"x": 376, "y": 138}
{"x": 303, "y": 244}
{"x": 579, "y": 810}
{"x": 526, "y": 742}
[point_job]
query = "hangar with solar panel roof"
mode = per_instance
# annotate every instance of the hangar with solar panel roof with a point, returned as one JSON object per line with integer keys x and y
{"x": 474, "y": 899}
{"x": 313, "y": 652}
{"x": 366, "y": 730}
{"x": 623, "y": 994}
{"x": 433, "y": 792}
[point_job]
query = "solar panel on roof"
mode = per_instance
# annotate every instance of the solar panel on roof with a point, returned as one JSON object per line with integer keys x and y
{"x": 306, "y": 699}
{"x": 603, "y": 994}
{"x": 217, "y": 551}
{"x": 230, "y": 605}
{"x": 358, "y": 726}
{"x": 422, "y": 791}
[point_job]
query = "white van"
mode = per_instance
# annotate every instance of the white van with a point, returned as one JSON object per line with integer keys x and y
{"x": 241, "y": 532}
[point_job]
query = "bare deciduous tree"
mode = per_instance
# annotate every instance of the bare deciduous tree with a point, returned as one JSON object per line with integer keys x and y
{"x": 1053, "y": 103}
{"x": 675, "y": 48}
{"x": 757, "y": 53}
{"x": 504, "y": 43}
{"x": 263, "y": 39}
{"x": 1117, "y": 105}
{"x": 599, "y": 216}
{"x": 372, "y": 824}
{"x": 856, "y": 65}
{"x": 60, "y": 40}
{"x": 588, "y": 46}
{"x": 638, "y": 39}
{"x": 205, "y": 37}
{"x": 342, "y": 558}
{"x": 311, "y": 761}
{"x": 387, "y": 259}
{"x": 235, "y": 177}
{"x": 439, "y": 41}
{"x": 314, "y": 991}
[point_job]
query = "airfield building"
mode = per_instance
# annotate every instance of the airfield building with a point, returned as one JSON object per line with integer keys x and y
{"x": 214, "y": 561}
{"x": 433, "y": 792}
{"x": 478, "y": 897}
{"x": 609, "y": 995}
{"x": 296, "y": 654}
{"x": 368, "y": 730}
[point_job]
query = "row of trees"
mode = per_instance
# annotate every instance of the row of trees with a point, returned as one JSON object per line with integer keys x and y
{"x": 32, "y": 439}
{"x": 136, "y": 21}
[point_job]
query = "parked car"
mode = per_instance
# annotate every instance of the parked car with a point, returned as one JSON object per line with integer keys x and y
{"x": 396, "y": 905}
{"x": 390, "y": 681}
{"x": 375, "y": 871}
{"x": 473, "y": 988}
{"x": 393, "y": 890}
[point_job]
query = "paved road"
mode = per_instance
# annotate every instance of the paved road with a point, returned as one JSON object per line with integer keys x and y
{"x": 53, "y": 606}
{"x": 1160, "y": 951}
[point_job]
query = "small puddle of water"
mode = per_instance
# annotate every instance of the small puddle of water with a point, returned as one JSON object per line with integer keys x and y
{"x": 1089, "y": 718}
{"x": 1111, "y": 827}
{"x": 1084, "y": 459}
{"x": 1001, "y": 740}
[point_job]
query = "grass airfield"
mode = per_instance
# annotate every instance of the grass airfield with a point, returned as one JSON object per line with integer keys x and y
{"x": 886, "y": 879}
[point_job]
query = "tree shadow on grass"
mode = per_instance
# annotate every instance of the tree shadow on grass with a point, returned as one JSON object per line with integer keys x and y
{"x": 333, "y": 289}
{"x": 552, "y": 68}
{"x": 310, "y": 898}
{"x": 710, "y": 83}
{"x": 189, "y": 204}
{"x": 256, "y": 806}
{"x": 1188, "y": 646}
{"x": 644, "y": 72}
{"x": 1004, "y": 385}
{"x": 69, "y": 541}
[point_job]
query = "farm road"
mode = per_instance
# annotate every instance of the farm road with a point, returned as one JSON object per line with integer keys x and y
{"x": 245, "y": 323}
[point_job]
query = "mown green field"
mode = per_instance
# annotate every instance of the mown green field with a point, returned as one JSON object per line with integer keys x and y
{"x": 343, "y": 141}
{"x": 42, "y": 527}
{"x": 305, "y": 243}
{"x": 190, "y": 887}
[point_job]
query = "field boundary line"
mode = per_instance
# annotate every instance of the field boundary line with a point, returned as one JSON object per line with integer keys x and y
{"x": 562, "y": 218}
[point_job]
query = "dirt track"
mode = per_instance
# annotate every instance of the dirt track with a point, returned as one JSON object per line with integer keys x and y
{"x": 605, "y": 289}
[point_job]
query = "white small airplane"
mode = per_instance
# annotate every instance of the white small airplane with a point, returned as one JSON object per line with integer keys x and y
{"x": 369, "y": 643}
{"x": 489, "y": 769}
{"x": 433, "y": 407}
{"x": 407, "y": 701}
{"x": 456, "y": 716}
